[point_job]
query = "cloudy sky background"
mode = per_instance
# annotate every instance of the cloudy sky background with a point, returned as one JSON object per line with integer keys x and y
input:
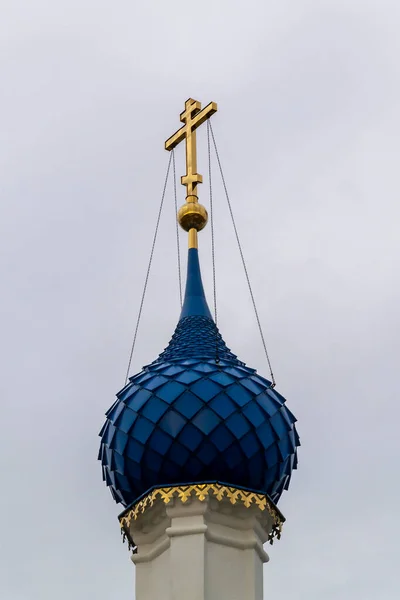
{"x": 308, "y": 130}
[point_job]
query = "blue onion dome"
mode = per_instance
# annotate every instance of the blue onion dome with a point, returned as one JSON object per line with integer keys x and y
{"x": 197, "y": 414}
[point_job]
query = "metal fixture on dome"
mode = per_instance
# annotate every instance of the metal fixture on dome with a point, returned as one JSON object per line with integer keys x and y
{"x": 192, "y": 216}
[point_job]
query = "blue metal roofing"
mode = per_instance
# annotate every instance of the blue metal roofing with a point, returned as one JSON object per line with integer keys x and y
{"x": 195, "y": 301}
{"x": 197, "y": 414}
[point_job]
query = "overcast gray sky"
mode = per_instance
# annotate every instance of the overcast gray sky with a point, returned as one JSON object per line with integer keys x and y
{"x": 308, "y": 130}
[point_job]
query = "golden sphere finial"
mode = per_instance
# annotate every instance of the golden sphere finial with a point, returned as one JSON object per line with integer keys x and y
{"x": 192, "y": 215}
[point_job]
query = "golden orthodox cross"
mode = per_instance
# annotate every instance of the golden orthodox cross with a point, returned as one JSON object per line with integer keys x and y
{"x": 192, "y": 117}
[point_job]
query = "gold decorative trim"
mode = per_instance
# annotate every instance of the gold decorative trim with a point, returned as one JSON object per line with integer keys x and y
{"x": 201, "y": 491}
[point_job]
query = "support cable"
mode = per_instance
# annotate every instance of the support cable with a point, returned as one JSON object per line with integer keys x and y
{"x": 177, "y": 230}
{"x": 242, "y": 257}
{"x": 148, "y": 270}
{"x": 212, "y": 240}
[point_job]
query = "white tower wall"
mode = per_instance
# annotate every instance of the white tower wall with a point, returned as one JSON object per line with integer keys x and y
{"x": 202, "y": 550}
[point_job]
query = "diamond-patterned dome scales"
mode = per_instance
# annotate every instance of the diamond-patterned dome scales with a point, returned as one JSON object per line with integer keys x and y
{"x": 197, "y": 414}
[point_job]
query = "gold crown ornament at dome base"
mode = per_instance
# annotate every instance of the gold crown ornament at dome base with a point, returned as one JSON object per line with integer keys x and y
{"x": 202, "y": 491}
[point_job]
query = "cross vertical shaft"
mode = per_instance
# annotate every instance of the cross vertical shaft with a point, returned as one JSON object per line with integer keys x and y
{"x": 191, "y": 165}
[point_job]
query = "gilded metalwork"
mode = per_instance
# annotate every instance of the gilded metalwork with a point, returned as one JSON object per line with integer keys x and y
{"x": 192, "y": 238}
{"x": 192, "y": 117}
{"x": 192, "y": 215}
{"x": 201, "y": 491}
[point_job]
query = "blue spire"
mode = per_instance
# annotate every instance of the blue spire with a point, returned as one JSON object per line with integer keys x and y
{"x": 195, "y": 302}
